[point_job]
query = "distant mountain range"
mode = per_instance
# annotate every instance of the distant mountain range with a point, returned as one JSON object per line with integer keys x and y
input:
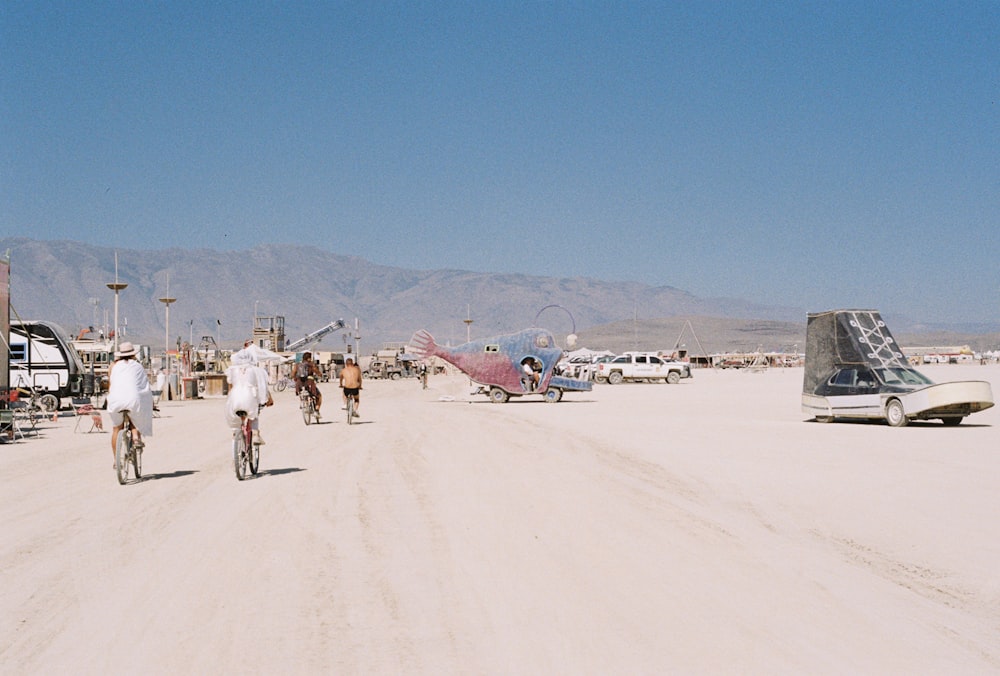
{"x": 218, "y": 293}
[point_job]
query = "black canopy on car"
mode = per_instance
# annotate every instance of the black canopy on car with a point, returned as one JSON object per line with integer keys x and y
{"x": 838, "y": 338}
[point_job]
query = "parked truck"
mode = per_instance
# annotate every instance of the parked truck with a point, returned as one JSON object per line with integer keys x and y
{"x": 392, "y": 362}
{"x": 636, "y": 366}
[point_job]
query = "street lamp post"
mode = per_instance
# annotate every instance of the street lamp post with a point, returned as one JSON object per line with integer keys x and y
{"x": 167, "y": 300}
{"x": 468, "y": 323}
{"x": 116, "y": 286}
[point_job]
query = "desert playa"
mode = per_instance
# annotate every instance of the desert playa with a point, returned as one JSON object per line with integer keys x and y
{"x": 704, "y": 527}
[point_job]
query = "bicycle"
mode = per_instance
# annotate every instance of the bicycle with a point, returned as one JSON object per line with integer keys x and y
{"x": 127, "y": 452}
{"x": 44, "y": 402}
{"x": 307, "y": 403}
{"x": 246, "y": 453}
{"x": 39, "y": 405}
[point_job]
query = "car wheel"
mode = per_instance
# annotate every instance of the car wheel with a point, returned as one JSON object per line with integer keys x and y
{"x": 673, "y": 377}
{"x": 615, "y": 377}
{"x": 894, "y": 414}
{"x": 951, "y": 422}
{"x": 600, "y": 379}
{"x": 553, "y": 395}
{"x": 498, "y": 396}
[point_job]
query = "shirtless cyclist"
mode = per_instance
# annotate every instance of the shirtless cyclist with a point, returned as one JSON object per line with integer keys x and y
{"x": 350, "y": 380}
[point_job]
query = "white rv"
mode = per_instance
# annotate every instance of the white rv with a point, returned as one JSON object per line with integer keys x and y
{"x": 41, "y": 357}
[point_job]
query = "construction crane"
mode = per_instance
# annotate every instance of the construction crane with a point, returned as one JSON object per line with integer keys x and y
{"x": 315, "y": 336}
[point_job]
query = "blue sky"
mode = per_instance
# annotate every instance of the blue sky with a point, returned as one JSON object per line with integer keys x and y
{"x": 812, "y": 154}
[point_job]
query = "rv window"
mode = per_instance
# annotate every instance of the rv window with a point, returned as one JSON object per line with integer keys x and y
{"x": 492, "y": 348}
{"x": 18, "y": 351}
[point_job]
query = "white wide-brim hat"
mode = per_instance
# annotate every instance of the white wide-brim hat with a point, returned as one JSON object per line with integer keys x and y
{"x": 126, "y": 349}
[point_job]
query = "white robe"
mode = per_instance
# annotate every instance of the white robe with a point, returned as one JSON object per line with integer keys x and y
{"x": 247, "y": 391}
{"x": 130, "y": 392}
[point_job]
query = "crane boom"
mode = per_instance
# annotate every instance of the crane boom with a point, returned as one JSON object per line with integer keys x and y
{"x": 315, "y": 336}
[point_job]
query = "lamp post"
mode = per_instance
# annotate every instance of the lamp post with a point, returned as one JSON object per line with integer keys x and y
{"x": 468, "y": 323}
{"x": 116, "y": 286}
{"x": 167, "y": 300}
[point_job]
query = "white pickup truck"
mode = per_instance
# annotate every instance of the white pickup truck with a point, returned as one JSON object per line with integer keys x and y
{"x": 636, "y": 366}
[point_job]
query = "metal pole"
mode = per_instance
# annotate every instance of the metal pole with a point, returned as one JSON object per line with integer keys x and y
{"x": 116, "y": 286}
{"x": 167, "y": 300}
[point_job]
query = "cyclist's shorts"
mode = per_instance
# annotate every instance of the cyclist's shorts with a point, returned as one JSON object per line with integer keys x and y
{"x": 352, "y": 391}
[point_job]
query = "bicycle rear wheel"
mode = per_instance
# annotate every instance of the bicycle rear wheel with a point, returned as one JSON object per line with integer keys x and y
{"x": 254, "y": 458}
{"x": 350, "y": 410}
{"x": 307, "y": 409}
{"x": 122, "y": 449}
{"x": 136, "y": 461}
{"x": 240, "y": 454}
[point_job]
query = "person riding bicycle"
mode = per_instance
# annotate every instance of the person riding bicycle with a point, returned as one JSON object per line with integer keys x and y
{"x": 247, "y": 391}
{"x": 306, "y": 375}
{"x": 350, "y": 380}
{"x": 128, "y": 390}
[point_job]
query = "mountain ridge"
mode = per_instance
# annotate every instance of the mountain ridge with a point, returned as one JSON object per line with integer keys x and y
{"x": 218, "y": 293}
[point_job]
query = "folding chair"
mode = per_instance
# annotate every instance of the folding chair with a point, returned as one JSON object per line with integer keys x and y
{"x": 8, "y": 424}
{"x": 85, "y": 411}
{"x": 23, "y": 415}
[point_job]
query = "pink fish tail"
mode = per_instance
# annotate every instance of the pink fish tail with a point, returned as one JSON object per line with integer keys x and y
{"x": 423, "y": 344}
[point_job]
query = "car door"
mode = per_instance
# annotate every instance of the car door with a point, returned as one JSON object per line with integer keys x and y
{"x": 853, "y": 392}
{"x": 641, "y": 367}
{"x": 658, "y": 368}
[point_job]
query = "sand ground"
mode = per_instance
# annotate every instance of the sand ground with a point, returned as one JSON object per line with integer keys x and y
{"x": 703, "y": 527}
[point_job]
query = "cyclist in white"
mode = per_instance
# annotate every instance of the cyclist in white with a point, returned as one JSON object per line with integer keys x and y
{"x": 128, "y": 390}
{"x": 247, "y": 391}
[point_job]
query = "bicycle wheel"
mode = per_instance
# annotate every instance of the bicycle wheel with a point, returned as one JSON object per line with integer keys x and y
{"x": 136, "y": 461}
{"x": 350, "y": 410}
{"x": 122, "y": 449}
{"x": 307, "y": 409}
{"x": 239, "y": 453}
{"x": 280, "y": 385}
{"x": 49, "y": 402}
{"x": 254, "y": 458}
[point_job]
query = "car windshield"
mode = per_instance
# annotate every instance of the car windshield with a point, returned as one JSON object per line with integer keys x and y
{"x": 902, "y": 376}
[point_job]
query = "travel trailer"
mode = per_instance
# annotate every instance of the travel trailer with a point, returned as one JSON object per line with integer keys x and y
{"x": 41, "y": 357}
{"x": 855, "y": 369}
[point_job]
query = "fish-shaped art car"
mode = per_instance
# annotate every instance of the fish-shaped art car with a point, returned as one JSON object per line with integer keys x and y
{"x": 855, "y": 369}
{"x": 508, "y": 366}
